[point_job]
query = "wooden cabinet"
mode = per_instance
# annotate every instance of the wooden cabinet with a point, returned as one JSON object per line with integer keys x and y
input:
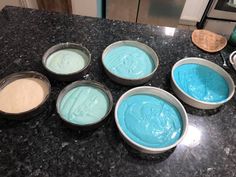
{"x": 55, "y": 5}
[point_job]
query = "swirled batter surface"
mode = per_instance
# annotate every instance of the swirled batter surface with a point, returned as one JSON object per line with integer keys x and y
{"x": 150, "y": 121}
{"x": 66, "y": 61}
{"x": 201, "y": 82}
{"x": 129, "y": 62}
{"x": 84, "y": 105}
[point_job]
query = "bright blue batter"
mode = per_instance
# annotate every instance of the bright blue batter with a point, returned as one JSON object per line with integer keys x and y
{"x": 150, "y": 121}
{"x": 201, "y": 82}
{"x": 129, "y": 62}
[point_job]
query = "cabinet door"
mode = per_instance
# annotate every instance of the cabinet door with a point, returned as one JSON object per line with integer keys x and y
{"x": 125, "y": 10}
{"x": 160, "y": 12}
{"x": 55, "y": 5}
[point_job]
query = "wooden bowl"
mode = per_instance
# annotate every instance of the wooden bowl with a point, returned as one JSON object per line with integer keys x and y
{"x": 208, "y": 41}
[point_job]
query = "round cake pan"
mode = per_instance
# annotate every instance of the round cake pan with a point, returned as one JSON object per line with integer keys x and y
{"x": 232, "y": 59}
{"x": 165, "y": 96}
{"x": 71, "y": 76}
{"x": 84, "y": 83}
{"x": 192, "y": 101}
{"x": 33, "y": 112}
{"x": 126, "y": 81}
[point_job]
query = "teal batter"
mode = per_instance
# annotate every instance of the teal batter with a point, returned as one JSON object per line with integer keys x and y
{"x": 150, "y": 121}
{"x": 201, "y": 82}
{"x": 66, "y": 61}
{"x": 84, "y": 105}
{"x": 129, "y": 62}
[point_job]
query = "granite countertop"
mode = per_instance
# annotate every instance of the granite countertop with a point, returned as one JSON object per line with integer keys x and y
{"x": 44, "y": 147}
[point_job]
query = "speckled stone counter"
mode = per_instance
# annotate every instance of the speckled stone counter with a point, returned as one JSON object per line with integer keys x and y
{"x": 44, "y": 147}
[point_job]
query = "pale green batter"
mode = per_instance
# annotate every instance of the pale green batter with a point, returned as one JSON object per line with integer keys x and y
{"x": 84, "y": 105}
{"x": 66, "y": 61}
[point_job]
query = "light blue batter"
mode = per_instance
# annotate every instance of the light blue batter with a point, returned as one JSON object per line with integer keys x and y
{"x": 84, "y": 105}
{"x": 201, "y": 82}
{"x": 66, "y": 61}
{"x": 129, "y": 62}
{"x": 150, "y": 121}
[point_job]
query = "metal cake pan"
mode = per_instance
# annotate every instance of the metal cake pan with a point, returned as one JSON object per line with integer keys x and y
{"x": 30, "y": 113}
{"x": 71, "y": 76}
{"x": 84, "y": 83}
{"x": 192, "y": 101}
{"x": 167, "y": 97}
{"x": 127, "y": 81}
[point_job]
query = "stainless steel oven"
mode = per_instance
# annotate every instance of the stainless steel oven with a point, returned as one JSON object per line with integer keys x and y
{"x": 219, "y": 16}
{"x": 223, "y": 9}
